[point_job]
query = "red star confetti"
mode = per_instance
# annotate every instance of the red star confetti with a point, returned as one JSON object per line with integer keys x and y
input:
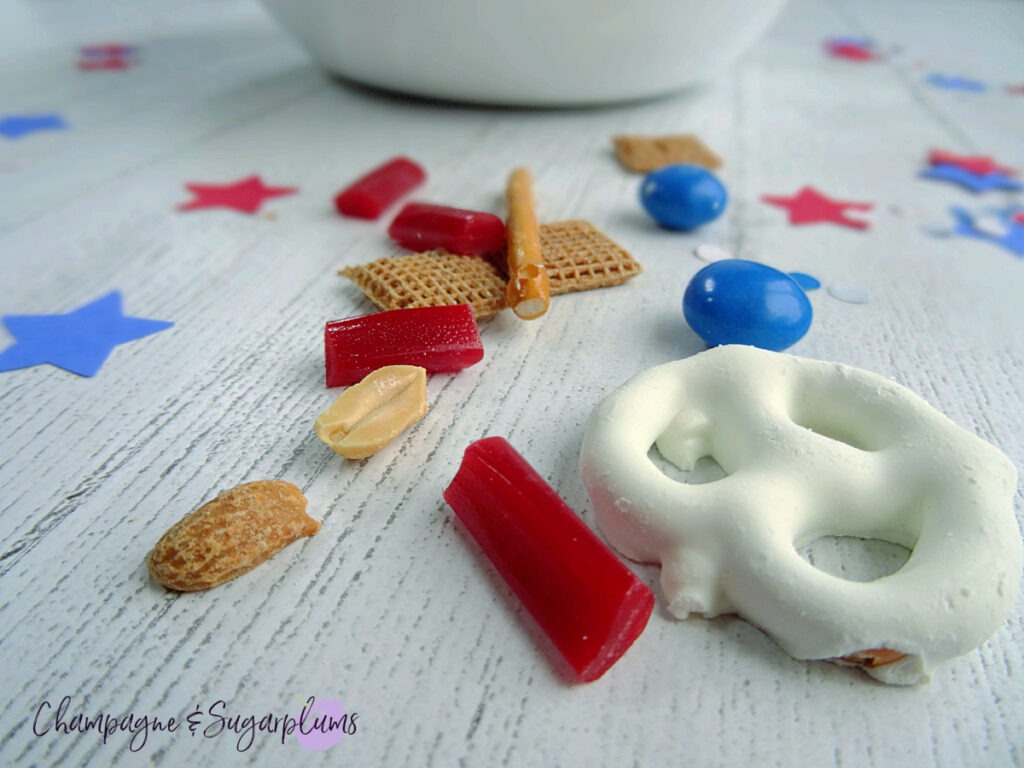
{"x": 851, "y": 48}
{"x": 809, "y": 206}
{"x": 245, "y": 195}
{"x": 1017, "y": 90}
{"x": 977, "y": 164}
{"x": 111, "y": 56}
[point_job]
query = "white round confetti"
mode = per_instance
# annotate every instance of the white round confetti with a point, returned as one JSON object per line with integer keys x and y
{"x": 17, "y": 164}
{"x": 711, "y": 253}
{"x": 991, "y": 225}
{"x": 937, "y": 230}
{"x": 850, "y": 293}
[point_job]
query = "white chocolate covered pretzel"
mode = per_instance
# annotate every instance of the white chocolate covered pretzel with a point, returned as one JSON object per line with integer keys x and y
{"x": 809, "y": 449}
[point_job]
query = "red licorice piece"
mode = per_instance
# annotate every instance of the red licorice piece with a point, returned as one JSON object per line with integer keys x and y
{"x": 370, "y": 195}
{"x": 426, "y": 227}
{"x": 586, "y": 600}
{"x": 440, "y": 339}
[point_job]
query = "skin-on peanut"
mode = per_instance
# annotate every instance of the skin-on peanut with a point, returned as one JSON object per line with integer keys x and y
{"x": 229, "y": 535}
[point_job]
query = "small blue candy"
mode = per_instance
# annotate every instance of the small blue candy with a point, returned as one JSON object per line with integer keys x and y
{"x": 683, "y": 196}
{"x": 743, "y": 302}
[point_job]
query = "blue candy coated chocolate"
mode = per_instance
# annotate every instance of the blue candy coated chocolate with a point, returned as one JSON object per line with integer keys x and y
{"x": 743, "y": 302}
{"x": 683, "y": 196}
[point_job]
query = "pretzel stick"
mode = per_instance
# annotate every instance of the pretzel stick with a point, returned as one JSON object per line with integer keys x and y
{"x": 527, "y": 290}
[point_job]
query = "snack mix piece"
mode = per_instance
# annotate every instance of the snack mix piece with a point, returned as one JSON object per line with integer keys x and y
{"x": 431, "y": 279}
{"x": 577, "y": 257}
{"x": 239, "y": 529}
{"x": 427, "y": 227}
{"x": 810, "y": 449}
{"x": 439, "y": 339}
{"x": 590, "y": 605}
{"x": 369, "y": 415}
{"x": 580, "y": 257}
{"x": 643, "y": 154}
{"x": 528, "y": 291}
{"x": 683, "y": 196}
{"x": 372, "y": 194}
{"x": 735, "y": 301}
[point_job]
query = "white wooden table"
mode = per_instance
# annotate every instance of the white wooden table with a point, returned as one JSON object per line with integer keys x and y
{"x": 390, "y": 608}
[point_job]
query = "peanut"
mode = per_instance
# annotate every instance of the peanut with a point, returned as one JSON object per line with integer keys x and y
{"x": 873, "y": 658}
{"x": 369, "y": 415}
{"x": 229, "y": 535}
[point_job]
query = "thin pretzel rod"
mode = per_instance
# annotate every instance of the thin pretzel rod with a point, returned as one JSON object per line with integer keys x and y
{"x": 527, "y": 291}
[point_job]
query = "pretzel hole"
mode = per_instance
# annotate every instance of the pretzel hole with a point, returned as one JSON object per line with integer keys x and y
{"x": 705, "y": 469}
{"x": 853, "y": 558}
{"x": 855, "y": 430}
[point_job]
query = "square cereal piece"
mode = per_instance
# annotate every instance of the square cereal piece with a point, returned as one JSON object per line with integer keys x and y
{"x": 434, "y": 278}
{"x": 643, "y": 154}
{"x": 578, "y": 256}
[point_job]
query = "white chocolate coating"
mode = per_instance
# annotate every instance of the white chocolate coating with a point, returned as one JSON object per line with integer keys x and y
{"x": 810, "y": 449}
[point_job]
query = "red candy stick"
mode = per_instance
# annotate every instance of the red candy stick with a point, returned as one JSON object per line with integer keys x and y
{"x": 370, "y": 195}
{"x": 589, "y": 604}
{"x": 426, "y": 227}
{"x": 440, "y": 339}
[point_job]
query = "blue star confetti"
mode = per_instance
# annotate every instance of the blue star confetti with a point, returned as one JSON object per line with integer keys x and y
{"x": 16, "y": 126}
{"x": 1009, "y": 234}
{"x": 976, "y": 182}
{"x": 805, "y": 281}
{"x": 955, "y": 83}
{"x": 79, "y": 341}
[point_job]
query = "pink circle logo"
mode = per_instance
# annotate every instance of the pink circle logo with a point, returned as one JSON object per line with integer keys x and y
{"x": 322, "y": 723}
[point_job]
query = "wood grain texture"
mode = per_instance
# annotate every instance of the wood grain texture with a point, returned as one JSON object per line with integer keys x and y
{"x": 391, "y": 608}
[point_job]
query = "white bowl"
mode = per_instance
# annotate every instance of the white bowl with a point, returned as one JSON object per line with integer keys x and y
{"x": 526, "y": 52}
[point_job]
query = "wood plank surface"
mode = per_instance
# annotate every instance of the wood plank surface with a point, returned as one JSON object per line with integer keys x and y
{"x": 391, "y": 608}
